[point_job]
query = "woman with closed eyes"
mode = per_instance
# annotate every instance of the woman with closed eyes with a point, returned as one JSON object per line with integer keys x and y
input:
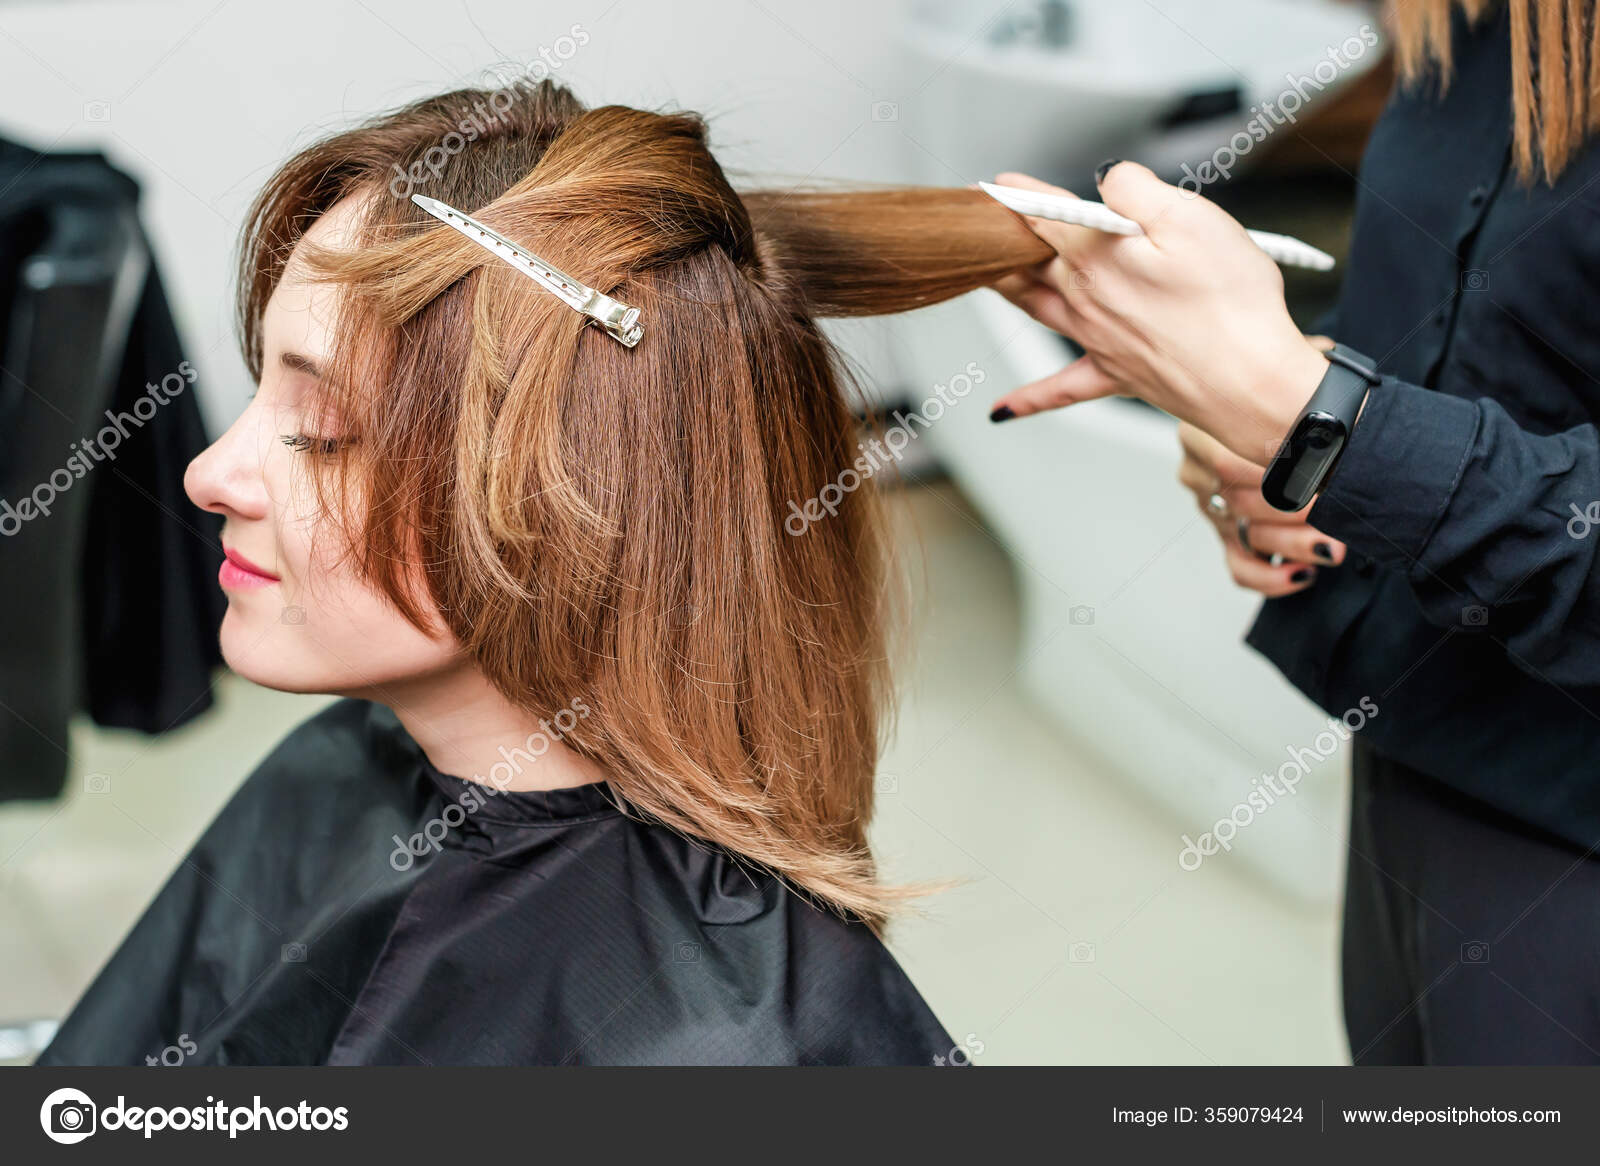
{"x": 599, "y": 786}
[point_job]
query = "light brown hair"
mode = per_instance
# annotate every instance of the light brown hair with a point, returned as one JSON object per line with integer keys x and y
{"x": 608, "y": 524}
{"x": 1555, "y": 70}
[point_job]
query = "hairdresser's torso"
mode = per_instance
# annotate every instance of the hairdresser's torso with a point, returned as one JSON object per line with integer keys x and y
{"x": 1464, "y": 281}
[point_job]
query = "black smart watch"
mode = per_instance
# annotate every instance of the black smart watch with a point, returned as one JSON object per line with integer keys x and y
{"x": 1307, "y": 456}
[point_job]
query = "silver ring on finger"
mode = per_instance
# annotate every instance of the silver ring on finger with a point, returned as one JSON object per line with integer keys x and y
{"x": 1243, "y": 528}
{"x": 1217, "y": 506}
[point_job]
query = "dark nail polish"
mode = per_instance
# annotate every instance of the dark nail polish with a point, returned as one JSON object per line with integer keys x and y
{"x": 1003, "y": 413}
{"x": 1303, "y": 575}
{"x": 1100, "y": 170}
{"x": 1323, "y": 551}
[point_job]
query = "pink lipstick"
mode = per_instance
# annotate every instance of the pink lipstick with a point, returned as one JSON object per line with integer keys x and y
{"x": 240, "y": 574}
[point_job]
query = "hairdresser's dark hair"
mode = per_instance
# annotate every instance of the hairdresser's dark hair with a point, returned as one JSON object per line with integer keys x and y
{"x": 608, "y": 524}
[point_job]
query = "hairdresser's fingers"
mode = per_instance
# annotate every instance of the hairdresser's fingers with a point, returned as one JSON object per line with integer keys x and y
{"x": 1238, "y": 502}
{"x": 1134, "y": 192}
{"x": 1014, "y": 284}
{"x": 1199, "y": 480}
{"x": 1296, "y": 541}
{"x": 1081, "y": 380}
{"x": 1258, "y": 575}
{"x": 1228, "y": 469}
{"x": 1210, "y": 468}
{"x": 1028, "y": 182}
{"x": 1039, "y": 299}
{"x": 1248, "y": 502}
{"x": 1066, "y": 238}
{"x": 1237, "y": 480}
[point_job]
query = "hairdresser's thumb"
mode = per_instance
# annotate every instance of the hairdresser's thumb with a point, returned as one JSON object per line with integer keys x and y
{"x": 1081, "y": 380}
{"x": 1136, "y": 193}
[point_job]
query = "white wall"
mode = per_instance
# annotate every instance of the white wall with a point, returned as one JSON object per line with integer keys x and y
{"x": 200, "y": 99}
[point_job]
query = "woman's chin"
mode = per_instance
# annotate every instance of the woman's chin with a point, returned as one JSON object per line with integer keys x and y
{"x": 266, "y": 653}
{"x": 279, "y": 650}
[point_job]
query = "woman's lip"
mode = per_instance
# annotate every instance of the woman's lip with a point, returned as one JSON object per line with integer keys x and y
{"x": 238, "y": 571}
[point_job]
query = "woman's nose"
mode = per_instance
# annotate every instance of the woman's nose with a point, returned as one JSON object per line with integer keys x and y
{"x": 226, "y": 478}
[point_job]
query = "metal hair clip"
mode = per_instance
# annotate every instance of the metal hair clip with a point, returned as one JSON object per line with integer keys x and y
{"x": 620, "y": 321}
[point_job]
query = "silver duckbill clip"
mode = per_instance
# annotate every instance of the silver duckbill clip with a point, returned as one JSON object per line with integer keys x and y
{"x": 620, "y": 321}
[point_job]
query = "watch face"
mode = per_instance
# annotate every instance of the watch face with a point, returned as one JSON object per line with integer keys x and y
{"x": 1297, "y": 473}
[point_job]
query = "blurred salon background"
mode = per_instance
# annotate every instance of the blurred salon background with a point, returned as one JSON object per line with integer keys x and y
{"x": 1078, "y": 714}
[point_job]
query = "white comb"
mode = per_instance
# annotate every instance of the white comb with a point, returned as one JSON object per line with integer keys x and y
{"x": 1286, "y": 249}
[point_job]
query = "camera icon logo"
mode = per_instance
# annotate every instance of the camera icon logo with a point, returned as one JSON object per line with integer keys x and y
{"x": 1474, "y": 280}
{"x": 686, "y": 953}
{"x": 885, "y": 111}
{"x": 1474, "y": 616}
{"x": 1081, "y": 615}
{"x": 67, "y": 1116}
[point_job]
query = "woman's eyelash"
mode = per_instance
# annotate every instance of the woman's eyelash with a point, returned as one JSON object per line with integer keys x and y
{"x": 304, "y": 443}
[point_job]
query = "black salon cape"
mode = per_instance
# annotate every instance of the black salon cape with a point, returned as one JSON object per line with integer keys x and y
{"x": 547, "y": 928}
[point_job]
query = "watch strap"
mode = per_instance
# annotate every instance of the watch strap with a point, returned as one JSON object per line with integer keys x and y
{"x": 1343, "y": 387}
{"x": 1337, "y": 401}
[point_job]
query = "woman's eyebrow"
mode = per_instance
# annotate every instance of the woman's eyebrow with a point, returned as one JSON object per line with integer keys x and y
{"x": 298, "y": 362}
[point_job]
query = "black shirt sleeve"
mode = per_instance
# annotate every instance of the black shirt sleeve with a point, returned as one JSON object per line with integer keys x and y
{"x": 1485, "y": 518}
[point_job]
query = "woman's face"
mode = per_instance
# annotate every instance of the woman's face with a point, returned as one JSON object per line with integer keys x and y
{"x": 299, "y": 617}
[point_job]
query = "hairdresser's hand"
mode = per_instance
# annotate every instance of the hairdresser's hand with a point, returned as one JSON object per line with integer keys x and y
{"x": 1252, "y": 532}
{"x": 1189, "y": 316}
